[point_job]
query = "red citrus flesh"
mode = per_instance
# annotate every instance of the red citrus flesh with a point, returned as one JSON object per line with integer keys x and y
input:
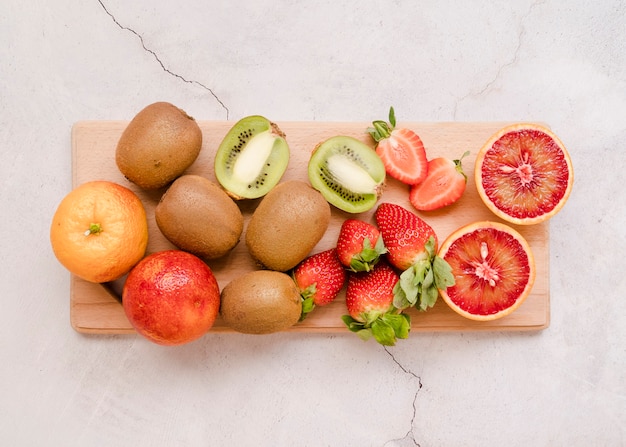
{"x": 493, "y": 267}
{"x": 524, "y": 174}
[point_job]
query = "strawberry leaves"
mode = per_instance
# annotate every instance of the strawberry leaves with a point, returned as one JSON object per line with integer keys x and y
{"x": 369, "y": 301}
{"x": 384, "y": 328}
{"x": 381, "y": 129}
{"x": 368, "y": 256}
{"x": 412, "y": 245}
{"x": 359, "y": 245}
{"x": 419, "y": 284}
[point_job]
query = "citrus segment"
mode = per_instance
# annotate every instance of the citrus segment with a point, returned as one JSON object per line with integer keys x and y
{"x": 493, "y": 267}
{"x": 524, "y": 174}
{"x": 99, "y": 231}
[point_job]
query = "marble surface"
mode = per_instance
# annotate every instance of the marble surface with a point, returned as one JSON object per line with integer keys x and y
{"x": 563, "y": 63}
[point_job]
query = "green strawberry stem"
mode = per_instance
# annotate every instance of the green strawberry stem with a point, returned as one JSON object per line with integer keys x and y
{"x": 419, "y": 284}
{"x": 458, "y": 164}
{"x": 369, "y": 256}
{"x": 386, "y": 328}
{"x": 382, "y": 129}
{"x": 308, "y": 304}
{"x": 307, "y": 307}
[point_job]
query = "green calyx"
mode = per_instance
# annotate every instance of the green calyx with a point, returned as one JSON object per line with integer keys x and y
{"x": 94, "y": 228}
{"x": 386, "y": 327}
{"x": 458, "y": 164}
{"x": 308, "y": 303}
{"x": 369, "y": 256}
{"x": 419, "y": 284}
{"x": 382, "y": 129}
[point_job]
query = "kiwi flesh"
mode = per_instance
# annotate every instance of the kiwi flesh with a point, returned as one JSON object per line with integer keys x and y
{"x": 261, "y": 302}
{"x": 158, "y": 145}
{"x": 286, "y": 225}
{"x": 196, "y": 215}
{"x": 252, "y": 158}
{"x": 348, "y": 173}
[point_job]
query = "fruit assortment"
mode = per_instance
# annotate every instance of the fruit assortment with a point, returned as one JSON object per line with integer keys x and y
{"x": 385, "y": 267}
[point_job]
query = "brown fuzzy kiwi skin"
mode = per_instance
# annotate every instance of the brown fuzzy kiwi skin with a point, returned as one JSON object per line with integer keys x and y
{"x": 287, "y": 224}
{"x": 158, "y": 145}
{"x": 261, "y": 302}
{"x": 196, "y": 215}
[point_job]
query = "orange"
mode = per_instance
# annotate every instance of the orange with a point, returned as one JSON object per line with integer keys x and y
{"x": 493, "y": 267}
{"x": 524, "y": 174}
{"x": 99, "y": 231}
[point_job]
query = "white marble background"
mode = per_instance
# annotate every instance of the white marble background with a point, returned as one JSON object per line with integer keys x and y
{"x": 561, "y": 62}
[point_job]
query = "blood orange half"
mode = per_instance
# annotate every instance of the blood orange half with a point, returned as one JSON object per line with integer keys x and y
{"x": 524, "y": 174}
{"x": 493, "y": 268}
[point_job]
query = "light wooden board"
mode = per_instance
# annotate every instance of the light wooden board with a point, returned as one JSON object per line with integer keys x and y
{"x": 94, "y": 309}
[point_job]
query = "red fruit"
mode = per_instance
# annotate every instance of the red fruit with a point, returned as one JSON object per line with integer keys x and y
{"x": 171, "y": 297}
{"x": 524, "y": 174}
{"x": 369, "y": 300}
{"x": 494, "y": 267}
{"x": 406, "y": 234}
{"x": 444, "y": 184}
{"x": 401, "y": 151}
{"x": 359, "y": 245}
{"x": 412, "y": 247}
{"x": 319, "y": 278}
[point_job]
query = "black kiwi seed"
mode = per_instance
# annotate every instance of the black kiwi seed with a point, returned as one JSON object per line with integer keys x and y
{"x": 334, "y": 192}
{"x": 234, "y": 143}
{"x": 341, "y": 191}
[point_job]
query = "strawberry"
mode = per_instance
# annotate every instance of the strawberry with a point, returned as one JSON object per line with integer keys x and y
{"x": 320, "y": 278}
{"x": 444, "y": 184}
{"x": 369, "y": 300}
{"x": 359, "y": 245}
{"x": 412, "y": 245}
{"x": 401, "y": 151}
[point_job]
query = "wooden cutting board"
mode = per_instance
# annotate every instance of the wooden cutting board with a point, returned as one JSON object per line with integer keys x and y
{"x": 96, "y": 309}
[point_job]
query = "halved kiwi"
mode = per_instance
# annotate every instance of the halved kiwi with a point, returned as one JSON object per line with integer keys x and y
{"x": 348, "y": 173}
{"x": 252, "y": 158}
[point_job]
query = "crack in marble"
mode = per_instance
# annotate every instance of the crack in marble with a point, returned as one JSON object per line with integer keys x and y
{"x": 408, "y": 439}
{"x": 160, "y": 62}
{"x": 511, "y": 62}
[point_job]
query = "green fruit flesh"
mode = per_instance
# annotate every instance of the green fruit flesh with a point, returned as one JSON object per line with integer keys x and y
{"x": 252, "y": 158}
{"x": 348, "y": 173}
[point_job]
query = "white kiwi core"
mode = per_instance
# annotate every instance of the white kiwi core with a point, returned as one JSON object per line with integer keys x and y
{"x": 350, "y": 175}
{"x": 250, "y": 162}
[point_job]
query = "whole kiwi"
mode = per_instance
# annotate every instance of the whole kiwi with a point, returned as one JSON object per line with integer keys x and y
{"x": 287, "y": 224}
{"x": 197, "y": 216}
{"x": 261, "y": 302}
{"x": 158, "y": 145}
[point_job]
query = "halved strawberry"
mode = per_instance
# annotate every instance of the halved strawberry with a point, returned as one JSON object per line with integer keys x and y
{"x": 369, "y": 300}
{"x": 359, "y": 245}
{"x": 401, "y": 151}
{"x": 412, "y": 246}
{"x": 320, "y": 278}
{"x": 444, "y": 184}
